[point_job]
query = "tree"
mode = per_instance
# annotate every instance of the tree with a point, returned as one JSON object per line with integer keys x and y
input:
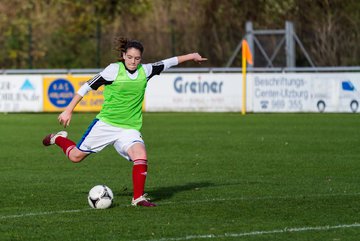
{"x": 79, "y": 34}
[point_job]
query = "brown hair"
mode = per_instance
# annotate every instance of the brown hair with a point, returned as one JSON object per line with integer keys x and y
{"x": 123, "y": 44}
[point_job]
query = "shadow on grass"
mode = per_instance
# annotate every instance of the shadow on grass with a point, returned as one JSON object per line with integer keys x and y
{"x": 163, "y": 193}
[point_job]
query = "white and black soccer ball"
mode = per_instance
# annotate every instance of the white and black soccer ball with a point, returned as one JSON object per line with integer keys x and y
{"x": 100, "y": 197}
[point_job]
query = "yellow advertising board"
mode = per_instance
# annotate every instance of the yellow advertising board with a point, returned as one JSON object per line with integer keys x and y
{"x": 59, "y": 91}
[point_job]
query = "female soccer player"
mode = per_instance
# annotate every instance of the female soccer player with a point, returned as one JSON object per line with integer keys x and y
{"x": 120, "y": 119}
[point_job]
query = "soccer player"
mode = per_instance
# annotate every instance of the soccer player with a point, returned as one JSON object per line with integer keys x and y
{"x": 120, "y": 119}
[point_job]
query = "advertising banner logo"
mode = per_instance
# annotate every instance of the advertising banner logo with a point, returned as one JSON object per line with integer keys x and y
{"x": 60, "y": 90}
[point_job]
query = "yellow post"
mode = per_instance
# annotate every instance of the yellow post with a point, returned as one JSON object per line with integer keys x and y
{"x": 246, "y": 58}
{"x": 243, "y": 108}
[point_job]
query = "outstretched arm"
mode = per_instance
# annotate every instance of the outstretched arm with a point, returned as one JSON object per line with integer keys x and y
{"x": 65, "y": 117}
{"x": 194, "y": 56}
{"x": 158, "y": 67}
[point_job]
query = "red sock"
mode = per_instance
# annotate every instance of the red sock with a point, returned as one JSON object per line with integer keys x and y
{"x": 139, "y": 176}
{"x": 66, "y": 144}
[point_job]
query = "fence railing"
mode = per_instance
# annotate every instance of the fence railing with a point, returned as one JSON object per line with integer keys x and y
{"x": 193, "y": 70}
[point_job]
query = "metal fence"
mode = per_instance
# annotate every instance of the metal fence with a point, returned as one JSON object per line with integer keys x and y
{"x": 193, "y": 70}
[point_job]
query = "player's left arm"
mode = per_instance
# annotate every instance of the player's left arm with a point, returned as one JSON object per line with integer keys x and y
{"x": 188, "y": 57}
{"x": 158, "y": 67}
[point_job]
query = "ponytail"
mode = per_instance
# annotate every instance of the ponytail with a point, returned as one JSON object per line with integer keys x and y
{"x": 120, "y": 43}
{"x": 123, "y": 44}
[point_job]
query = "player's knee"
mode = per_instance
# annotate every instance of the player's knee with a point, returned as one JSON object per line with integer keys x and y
{"x": 77, "y": 156}
{"x": 75, "y": 159}
{"x": 137, "y": 151}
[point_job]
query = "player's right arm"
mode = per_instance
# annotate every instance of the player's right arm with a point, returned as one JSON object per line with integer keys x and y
{"x": 65, "y": 117}
{"x": 107, "y": 76}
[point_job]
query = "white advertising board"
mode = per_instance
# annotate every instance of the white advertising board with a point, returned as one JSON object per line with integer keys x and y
{"x": 21, "y": 93}
{"x": 215, "y": 92}
{"x": 308, "y": 92}
{"x": 194, "y": 92}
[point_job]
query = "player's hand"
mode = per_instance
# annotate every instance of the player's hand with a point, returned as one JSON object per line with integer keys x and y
{"x": 197, "y": 58}
{"x": 64, "y": 118}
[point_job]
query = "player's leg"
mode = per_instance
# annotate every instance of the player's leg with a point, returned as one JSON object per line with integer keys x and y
{"x": 68, "y": 146}
{"x": 75, "y": 155}
{"x": 137, "y": 153}
{"x": 131, "y": 146}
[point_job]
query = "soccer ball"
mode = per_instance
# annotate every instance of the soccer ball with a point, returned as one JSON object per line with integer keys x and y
{"x": 100, "y": 197}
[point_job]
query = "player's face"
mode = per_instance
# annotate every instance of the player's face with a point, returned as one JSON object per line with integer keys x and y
{"x": 132, "y": 58}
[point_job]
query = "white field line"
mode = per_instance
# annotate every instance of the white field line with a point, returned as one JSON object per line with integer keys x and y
{"x": 183, "y": 202}
{"x": 42, "y": 213}
{"x": 261, "y": 232}
{"x": 261, "y": 198}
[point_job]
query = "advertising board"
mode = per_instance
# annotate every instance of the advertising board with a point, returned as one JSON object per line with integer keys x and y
{"x": 59, "y": 91}
{"x": 307, "y": 92}
{"x": 194, "y": 92}
{"x": 21, "y": 93}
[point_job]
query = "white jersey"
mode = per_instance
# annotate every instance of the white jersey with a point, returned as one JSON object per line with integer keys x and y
{"x": 108, "y": 75}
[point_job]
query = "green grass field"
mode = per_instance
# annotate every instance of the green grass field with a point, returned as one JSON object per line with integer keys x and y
{"x": 215, "y": 176}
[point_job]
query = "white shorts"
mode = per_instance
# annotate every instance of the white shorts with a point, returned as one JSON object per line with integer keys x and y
{"x": 99, "y": 135}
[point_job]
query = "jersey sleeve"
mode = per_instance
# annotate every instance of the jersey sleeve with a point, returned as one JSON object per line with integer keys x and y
{"x": 158, "y": 67}
{"x": 105, "y": 77}
{"x": 110, "y": 72}
{"x": 92, "y": 84}
{"x": 84, "y": 89}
